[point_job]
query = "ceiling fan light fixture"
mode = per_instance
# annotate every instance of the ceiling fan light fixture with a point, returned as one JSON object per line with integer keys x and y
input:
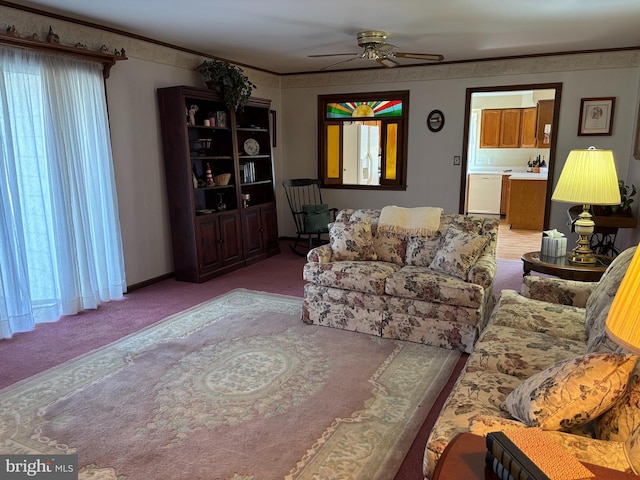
{"x": 371, "y": 37}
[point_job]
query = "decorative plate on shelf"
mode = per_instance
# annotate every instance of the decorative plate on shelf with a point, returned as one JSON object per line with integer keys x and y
{"x": 251, "y": 146}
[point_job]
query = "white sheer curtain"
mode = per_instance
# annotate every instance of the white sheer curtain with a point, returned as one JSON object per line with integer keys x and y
{"x": 60, "y": 242}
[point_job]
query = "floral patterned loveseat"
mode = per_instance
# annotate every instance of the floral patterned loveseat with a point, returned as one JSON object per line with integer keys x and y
{"x": 544, "y": 360}
{"x": 435, "y": 288}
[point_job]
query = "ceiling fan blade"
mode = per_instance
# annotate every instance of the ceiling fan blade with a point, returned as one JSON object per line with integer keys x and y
{"x": 331, "y": 55}
{"x": 342, "y": 61}
{"x": 420, "y": 56}
{"x": 387, "y": 62}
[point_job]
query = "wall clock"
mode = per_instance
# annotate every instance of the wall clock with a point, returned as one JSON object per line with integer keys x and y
{"x": 435, "y": 120}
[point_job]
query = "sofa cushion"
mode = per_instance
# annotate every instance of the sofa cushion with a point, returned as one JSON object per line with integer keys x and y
{"x": 571, "y": 392}
{"x": 632, "y": 450}
{"x": 442, "y": 311}
{"x": 425, "y": 284}
{"x": 530, "y": 315}
{"x": 474, "y": 393}
{"x": 600, "y": 301}
{"x": 457, "y": 252}
{"x": 557, "y": 290}
{"x": 521, "y": 354}
{"x": 483, "y": 424}
{"x": 366, "y": 277}
{"x": 351, "y": 240}
{"x": 623, "y": 418}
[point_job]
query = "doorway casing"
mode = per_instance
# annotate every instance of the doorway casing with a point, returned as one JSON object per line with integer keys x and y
{"x": 557, "y": 87}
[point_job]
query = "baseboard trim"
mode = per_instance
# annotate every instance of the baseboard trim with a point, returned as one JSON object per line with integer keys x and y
{"x": 151, "y": 281}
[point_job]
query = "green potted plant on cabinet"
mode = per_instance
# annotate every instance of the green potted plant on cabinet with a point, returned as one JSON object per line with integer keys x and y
{"x": 234, "y": 86}
{"x": 626, "y": 192}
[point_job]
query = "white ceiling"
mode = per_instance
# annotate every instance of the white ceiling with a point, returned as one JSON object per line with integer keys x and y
{"x": 277, "y": 35}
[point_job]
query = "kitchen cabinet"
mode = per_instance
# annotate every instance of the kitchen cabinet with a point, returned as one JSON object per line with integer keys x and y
{"x": 500, "y": 128}
{"x": 528, "y": 127}
{"x": 516, "y": 127}
{"x": 490, "y": 128}
{"x": 544, "y": 118}
{"x": 526, "y": 206}
{"x": 510, "y": 128}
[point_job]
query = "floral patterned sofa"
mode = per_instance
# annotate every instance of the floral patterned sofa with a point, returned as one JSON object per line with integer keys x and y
{"x": 432, "y": 288}
{"x": 544, "y": 360}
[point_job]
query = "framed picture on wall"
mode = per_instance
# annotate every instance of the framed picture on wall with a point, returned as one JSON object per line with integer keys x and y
{"x": 596, "y": 116}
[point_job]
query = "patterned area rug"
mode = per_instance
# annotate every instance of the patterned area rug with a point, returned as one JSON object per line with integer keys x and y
{"x": 234, "y": 388}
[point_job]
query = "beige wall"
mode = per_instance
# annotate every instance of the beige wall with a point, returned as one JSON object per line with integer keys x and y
{"x": 433, "y": 180}
{"x": 432, "y": 177}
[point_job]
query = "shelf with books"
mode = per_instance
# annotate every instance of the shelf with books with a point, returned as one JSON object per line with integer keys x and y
{"x": 206, "y": 150}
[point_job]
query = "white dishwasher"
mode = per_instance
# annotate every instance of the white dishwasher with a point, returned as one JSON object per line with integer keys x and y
{"x": 483, "y": 193}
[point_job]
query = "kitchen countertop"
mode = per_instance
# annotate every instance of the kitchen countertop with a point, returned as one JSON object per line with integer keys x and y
{"x": 514, "y": 173}
{"x": 528, "y": 176}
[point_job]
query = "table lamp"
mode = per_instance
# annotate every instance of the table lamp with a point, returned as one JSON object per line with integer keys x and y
{"x": 623, "y": 321}
{"x": 587, "y": 178}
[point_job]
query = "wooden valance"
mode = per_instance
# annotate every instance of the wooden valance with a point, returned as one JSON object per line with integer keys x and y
{"x": 107, "y": 59}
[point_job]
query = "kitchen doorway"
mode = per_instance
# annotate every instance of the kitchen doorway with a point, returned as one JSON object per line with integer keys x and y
{"x": 520, "y": 126}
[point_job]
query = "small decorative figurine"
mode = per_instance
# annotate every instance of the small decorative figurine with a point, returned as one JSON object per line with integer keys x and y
{"x": 104, "y": 48}
{"x": 221, "y": 205}
{"x": 209, "y": 177}
{"x": 80, "y": 45}
{"x": 11, "y": 30}
{"x": 192, "y": 114}
{"x": 52, "y": 37}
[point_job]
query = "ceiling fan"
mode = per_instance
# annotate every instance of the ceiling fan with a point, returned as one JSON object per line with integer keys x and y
{"x": 375, "y": 47}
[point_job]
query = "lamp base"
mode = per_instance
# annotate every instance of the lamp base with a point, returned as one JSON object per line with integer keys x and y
{"x": 581, "y": 258}
{"x": 582, "y": 254}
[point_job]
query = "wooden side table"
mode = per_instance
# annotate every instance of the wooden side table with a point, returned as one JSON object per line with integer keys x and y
{"x": 561, "y": 267}
{"x": 464, "y": 459}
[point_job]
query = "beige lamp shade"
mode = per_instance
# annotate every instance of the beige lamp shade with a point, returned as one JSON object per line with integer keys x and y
{"x": 623, "y": 321}
{"x": 588, "y": 178}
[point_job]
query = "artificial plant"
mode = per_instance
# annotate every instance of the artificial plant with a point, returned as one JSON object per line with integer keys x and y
{"x": 234, "y": 86}
{"x": 626, "y": 192}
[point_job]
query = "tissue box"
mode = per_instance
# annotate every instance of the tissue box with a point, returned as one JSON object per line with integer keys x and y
{"x": 554, "y": 247}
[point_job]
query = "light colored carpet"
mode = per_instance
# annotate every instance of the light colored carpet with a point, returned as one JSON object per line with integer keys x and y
{"x": 234, "y": 388}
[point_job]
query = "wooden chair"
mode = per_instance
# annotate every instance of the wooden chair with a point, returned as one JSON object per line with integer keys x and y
{"x": 310, "y": 214}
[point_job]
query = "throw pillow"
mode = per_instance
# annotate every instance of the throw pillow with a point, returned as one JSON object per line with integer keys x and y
{"x": 421, "y": 250}
{"x": 351, "y": 240}
{"x": 316, "y": 218}
{"x": 457, "y": 252}
{"x": 623, "y": 418}
{"x": 389, "y": 247}
{"x": 571, "y": 392}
